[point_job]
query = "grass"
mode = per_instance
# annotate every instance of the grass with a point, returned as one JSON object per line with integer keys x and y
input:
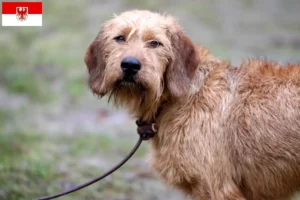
{"x": 36, "y": 164}
{"x": 203, "y": 13}
{"x": 24, "y": 81}
{"x": 76, "y": 87}
{"x": 88, "y": 144}
{"x": 22, "y": 167}
{"x": 33, "y": 164}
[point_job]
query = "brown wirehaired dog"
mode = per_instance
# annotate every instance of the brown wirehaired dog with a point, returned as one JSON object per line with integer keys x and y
{"x": 225, "y": 133}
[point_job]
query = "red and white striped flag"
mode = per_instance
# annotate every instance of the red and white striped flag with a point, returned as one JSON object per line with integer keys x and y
{"x": 22, "y": 13}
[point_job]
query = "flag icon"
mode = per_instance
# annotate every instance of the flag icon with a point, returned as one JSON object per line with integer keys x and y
{"x": 22, "y": 13}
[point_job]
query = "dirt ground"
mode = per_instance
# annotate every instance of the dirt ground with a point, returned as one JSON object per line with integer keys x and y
{"x": 54, "y": 134}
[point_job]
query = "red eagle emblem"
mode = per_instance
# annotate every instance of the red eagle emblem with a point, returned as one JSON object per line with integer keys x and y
{"x": 22, "y": 13}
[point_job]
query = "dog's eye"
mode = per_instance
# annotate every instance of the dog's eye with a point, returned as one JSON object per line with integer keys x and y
{"x": 155, "y": 44}
{"x": 120, "y": 38}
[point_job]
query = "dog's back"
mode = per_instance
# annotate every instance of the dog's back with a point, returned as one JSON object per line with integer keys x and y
{"x": 264, "y": 122}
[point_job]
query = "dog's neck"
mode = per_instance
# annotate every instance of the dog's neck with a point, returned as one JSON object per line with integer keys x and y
{"x": 206, "y": 65}
{"x": 150, "y": 114}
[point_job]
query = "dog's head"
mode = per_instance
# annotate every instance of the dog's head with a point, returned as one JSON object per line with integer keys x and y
{"x": 138, "y": 57}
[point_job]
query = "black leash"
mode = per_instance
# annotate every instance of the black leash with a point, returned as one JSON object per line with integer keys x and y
{"x": 145, "y": 131}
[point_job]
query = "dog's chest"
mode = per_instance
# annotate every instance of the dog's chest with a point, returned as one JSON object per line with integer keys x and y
{"x": 182, "y": 149}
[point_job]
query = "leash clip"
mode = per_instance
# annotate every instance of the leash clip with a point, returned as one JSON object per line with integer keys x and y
{"x": 146, "y": 131}
{"x": 154, "y": 127}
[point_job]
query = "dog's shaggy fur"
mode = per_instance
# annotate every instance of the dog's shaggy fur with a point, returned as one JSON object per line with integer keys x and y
{"x": 225, "y": 133}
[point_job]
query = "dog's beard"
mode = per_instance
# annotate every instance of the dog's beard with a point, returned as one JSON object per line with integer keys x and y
{"x": 141, "y": 100}
{"x": 127, "y": 92}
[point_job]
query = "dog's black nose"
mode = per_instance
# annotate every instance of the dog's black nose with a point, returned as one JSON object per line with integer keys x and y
{"x": 130, "y": 65}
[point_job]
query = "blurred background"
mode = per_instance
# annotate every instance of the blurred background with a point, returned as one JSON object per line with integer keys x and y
{"x": 54, "y": 134}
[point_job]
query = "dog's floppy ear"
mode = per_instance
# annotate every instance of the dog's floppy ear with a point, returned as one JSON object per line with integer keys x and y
{"x": 183, "y": 65}
{"x": 95, "y": 62}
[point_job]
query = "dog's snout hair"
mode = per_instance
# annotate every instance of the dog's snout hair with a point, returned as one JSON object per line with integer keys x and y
{"x": 225, "y": 132}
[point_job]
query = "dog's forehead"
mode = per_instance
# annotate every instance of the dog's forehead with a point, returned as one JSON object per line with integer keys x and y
{"x": 143, "y": 20}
